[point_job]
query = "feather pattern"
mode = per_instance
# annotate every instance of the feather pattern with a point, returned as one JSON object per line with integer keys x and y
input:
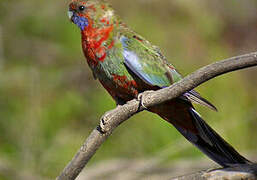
{"x": 126, "y": 64}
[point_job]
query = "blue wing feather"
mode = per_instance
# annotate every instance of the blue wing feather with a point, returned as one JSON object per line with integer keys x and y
{"x": 133, "y": 60}
{"x": 160, "y": 75}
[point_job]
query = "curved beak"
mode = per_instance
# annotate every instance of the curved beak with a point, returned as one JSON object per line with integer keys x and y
{"x": 70, "y": 14}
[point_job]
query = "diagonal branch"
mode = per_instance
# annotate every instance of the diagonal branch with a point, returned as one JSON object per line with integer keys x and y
{"x": 114, "y": 118}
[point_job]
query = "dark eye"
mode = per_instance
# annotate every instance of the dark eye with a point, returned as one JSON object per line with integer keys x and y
{"x": 82, "y": 8}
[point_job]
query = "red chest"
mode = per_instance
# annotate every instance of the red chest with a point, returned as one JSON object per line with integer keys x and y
{"x": 95, "y": 43}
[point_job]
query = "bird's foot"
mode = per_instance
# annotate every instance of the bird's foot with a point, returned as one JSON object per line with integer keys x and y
{"x": 105, "y": 122}
{"x": 142, "y": 98}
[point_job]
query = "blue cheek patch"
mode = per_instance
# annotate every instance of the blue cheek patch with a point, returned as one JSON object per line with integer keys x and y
{"x": 81, "y": 22}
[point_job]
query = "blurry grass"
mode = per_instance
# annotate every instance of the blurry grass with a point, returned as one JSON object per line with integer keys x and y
{"x": 49, "y": 101}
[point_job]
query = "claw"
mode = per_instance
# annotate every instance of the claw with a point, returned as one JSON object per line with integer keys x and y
{"x": 141, "y": 98}
{"x": 104, "y": 124}
{"x": 141, "y": 101}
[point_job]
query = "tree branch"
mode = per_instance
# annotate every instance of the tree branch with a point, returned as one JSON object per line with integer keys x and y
{"x": 243, "y": 172}
{"x": 114, "y": 118}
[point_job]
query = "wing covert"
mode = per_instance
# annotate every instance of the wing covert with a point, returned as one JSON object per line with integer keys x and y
{"x": 147, "y": 63}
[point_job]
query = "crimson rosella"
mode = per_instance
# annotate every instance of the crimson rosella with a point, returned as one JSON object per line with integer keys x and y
{"x": 126, "y": 64}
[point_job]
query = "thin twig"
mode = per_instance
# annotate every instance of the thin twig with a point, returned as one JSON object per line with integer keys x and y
{"x": 114, "y": 118}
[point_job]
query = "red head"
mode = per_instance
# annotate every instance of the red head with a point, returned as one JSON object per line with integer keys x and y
{"x": 97, "y": 22}
{"x": 86, "y": 12}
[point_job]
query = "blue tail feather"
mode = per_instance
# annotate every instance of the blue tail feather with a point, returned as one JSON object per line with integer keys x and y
{"x": 210, "y": 143}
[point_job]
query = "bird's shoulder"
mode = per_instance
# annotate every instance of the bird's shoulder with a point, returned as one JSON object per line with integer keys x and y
{"x": 146, "y": 60}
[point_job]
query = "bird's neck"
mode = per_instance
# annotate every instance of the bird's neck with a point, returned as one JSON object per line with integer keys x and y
{"x": 98, "y": 36}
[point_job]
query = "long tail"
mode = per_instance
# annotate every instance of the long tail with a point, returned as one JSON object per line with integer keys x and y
{"x": 210, "y": 143}
{"x": 189, "y": 123}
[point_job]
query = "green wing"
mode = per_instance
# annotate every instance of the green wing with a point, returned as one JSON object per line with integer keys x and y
{"x": 147, "y": 62}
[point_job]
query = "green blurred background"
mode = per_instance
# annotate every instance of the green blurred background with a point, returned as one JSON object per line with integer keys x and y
{"x": 49, "y": 101}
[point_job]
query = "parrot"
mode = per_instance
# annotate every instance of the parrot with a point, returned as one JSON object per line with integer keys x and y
{"x": 126, "y": 65}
